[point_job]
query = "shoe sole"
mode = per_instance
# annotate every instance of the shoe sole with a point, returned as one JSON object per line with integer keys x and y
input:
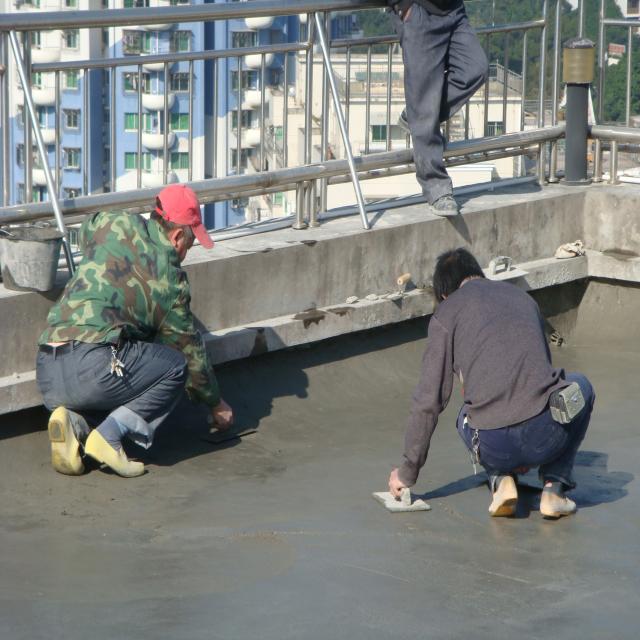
{"x": 65, "y": 448}
{"x": 505, "y": 500}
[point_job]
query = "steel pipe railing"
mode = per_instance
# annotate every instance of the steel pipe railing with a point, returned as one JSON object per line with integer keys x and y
{"x": 214, "y": 190}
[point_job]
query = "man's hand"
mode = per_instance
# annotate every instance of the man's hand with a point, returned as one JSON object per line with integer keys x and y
{"x": 395, "y": 484}
{"x": 222, "y": 415}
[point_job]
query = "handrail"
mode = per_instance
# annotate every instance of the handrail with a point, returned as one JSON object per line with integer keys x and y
{"x": 47, "y": 20}
{"x": 216, "y": 189}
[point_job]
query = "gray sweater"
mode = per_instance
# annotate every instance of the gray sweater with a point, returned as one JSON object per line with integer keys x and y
{"x": 490, "y": 334}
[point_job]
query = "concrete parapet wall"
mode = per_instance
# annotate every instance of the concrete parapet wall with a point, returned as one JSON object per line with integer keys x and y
{"x": 283, "y": 288}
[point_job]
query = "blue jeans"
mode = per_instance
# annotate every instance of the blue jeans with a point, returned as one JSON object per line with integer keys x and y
{"x": 537, "y": 442}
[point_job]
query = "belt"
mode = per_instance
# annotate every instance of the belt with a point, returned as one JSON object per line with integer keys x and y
{"x": 67, "y": 347}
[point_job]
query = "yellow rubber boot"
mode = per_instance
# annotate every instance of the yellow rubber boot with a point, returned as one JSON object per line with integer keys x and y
{"x": 505, "y": 498}
{"x": 65, "y": 448}
{"x": 99, "y": 449}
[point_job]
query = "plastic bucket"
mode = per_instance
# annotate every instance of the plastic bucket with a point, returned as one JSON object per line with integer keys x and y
{"x": 29, "y": 257}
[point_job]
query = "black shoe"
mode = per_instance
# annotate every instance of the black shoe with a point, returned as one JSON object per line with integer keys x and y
{"x": 403, "y": 122}
{"x": 445, "y": 206}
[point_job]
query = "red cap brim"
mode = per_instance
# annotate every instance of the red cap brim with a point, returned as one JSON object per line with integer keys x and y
{"x": 203, "y": 237}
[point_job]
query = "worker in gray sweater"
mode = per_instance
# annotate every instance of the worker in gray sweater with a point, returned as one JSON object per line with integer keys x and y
{"x": 518, "y": 410}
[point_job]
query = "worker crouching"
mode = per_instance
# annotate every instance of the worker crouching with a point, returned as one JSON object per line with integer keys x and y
{"x": 518, "y": 411}
{"x": 121, "y": 346}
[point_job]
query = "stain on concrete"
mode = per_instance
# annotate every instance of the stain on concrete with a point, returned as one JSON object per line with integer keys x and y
{"x": 340, "y": 311}
{"x": 620, "y": 254}
{"x": 260, "y": 343}
{"x": 310, "y": 316}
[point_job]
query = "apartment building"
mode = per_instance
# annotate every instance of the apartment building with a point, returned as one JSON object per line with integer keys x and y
{"x": 77, "y": 160}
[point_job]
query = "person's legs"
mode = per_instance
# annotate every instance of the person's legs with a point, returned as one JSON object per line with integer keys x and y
{"x": 425, "y": 41}
{"x": 136, "y": 402}
{"x": 467, "y": 66}
{"x": 559, "y": 468}
{"x": 499, "y": 470}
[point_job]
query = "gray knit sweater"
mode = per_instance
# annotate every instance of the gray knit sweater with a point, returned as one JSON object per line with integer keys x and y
{"x": 490, "y": 334}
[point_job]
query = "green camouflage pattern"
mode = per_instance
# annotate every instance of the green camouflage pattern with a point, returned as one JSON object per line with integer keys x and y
{"x": 130, "y": 285}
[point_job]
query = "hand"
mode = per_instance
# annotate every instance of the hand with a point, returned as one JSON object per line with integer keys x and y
{"x": 222, "y": 415}
{"x": 395, "y": 484}
{"x": 406, "y": 14}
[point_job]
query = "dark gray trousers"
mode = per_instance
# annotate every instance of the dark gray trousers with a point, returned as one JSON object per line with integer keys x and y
{"x": 444, "y": 65}
{"x": 79, "y": 377}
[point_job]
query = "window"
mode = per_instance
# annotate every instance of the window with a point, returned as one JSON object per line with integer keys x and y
{"x": 379, "y": 133}
{"x": 244, "y": 156}
{"x": 278, "y": 133}
{"x": 179, "y": 121}
{"x": 179, "y": 160}
{"x": 131, "y": 4}
{"x": 41, "y": 116}
{"x": 278, "y": 199}
{"x": 39, "y": 194}
{"x": 173, "y": 3}
{"x": 71, "y": 79}
{"x": 246, "y": 119}
{"x": 180, "y": 81}
{"x": 71, "y": 118}
{"x": 36, "y": 80}
{"x": 20, "y": 154}
{"x": 495, "y": 128}
{"x": 249, "y": 80}
{"x": 131, "y": 121}
{"x": 130, "y": 81}
{"x": 20, "y": 195}
{"x": 131, "y": 161}
{"x": 71, "y": 158}
{"x": 135, "y": 42}
{"x": 180, "y": 41}
{"x": 71, "y": 193}
{"x": 70, "y": 4}
{"x": 240, "y": 39}
{"x": 71, "y": 38}
{"x": 239, "y": 203}
{"x": 36, "y": 39}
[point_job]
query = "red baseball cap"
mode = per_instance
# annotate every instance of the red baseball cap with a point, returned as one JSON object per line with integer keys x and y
{"x": 179, "y": 204}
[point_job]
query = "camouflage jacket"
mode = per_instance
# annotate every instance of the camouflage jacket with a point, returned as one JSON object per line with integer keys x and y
{"x": 130, "y": 285}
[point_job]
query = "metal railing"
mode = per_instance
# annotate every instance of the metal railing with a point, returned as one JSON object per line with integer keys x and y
{"x": 280, "y": 98}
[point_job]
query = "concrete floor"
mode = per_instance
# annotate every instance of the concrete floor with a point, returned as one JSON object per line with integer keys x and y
{"x": 276, "y": 535}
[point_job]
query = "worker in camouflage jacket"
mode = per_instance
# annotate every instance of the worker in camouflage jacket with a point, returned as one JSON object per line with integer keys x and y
{"x": 121, "y": 345}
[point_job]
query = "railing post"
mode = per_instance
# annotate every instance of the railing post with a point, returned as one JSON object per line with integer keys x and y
{"x": 30, "y": 110}
{"x": 613, "y": 163}
{"x": 4, "y": 118}
{"x": 579, "y": 58}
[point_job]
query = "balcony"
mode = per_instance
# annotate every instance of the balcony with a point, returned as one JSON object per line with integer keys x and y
{"x": 44, "y": 96}
{"x": 155, "y": 179}
{"x": 43, "y": 55}
{"x": 48, "y": 135}
{"x": 38, "y": 177}
{"x": 251, "y": 137}
{"x": 155, "y": 101}
{"x": 263, "y": 22}
{"x": 152, "y": 140}
{"x": 254, "y": 61}
{"x": 156, "y": 66}
{"x": 252, "y": 99}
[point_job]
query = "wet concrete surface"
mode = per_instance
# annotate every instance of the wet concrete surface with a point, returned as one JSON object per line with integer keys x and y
{"x": 276, "y": 535}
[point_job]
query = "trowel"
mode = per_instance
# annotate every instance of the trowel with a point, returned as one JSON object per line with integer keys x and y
{"x": 403, "y": 504}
